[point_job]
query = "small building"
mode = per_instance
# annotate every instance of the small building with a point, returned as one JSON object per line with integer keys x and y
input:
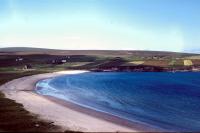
{"x": 63, "y": 61}
{"x": 53, "y": 61}
{"x": 19, "y": 59}
{"x": 27, "y": 66}
{"x": 68, "y": 57}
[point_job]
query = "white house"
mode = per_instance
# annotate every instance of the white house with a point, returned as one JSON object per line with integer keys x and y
{"x": 63, "y": 61}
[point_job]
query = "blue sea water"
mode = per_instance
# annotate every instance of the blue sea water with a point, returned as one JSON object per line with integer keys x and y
{"x": 169, "y": 101}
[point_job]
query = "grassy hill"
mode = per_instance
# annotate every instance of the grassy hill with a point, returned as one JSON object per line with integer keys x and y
{"x": 120, "y": 53}
{"x": 15, "y": 58}
{"x": 24, "y": 49}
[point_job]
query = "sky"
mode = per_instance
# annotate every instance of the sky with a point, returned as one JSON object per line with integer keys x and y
{"x": 161, "y": 25}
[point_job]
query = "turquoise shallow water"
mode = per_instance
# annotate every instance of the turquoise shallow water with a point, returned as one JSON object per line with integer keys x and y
{"x": 168, "y": 101}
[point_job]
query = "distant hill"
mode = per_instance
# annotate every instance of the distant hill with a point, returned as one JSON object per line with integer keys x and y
{"x": 196, "y": 51}
{"x": 108, "y": 53}
{"x": 23, "y": 49}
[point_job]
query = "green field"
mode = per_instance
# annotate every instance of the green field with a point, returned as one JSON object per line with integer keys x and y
{"x": 45, "y": 59}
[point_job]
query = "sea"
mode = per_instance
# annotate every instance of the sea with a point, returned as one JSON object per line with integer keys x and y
{"x": 165, "y": 100}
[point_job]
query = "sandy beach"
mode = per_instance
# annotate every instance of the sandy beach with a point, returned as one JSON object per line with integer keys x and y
{"x": 21, "y": 90}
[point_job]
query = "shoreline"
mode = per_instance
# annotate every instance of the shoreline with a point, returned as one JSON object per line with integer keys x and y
{"x": 136, "y": 126}
{"x": 67, "y": 115}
